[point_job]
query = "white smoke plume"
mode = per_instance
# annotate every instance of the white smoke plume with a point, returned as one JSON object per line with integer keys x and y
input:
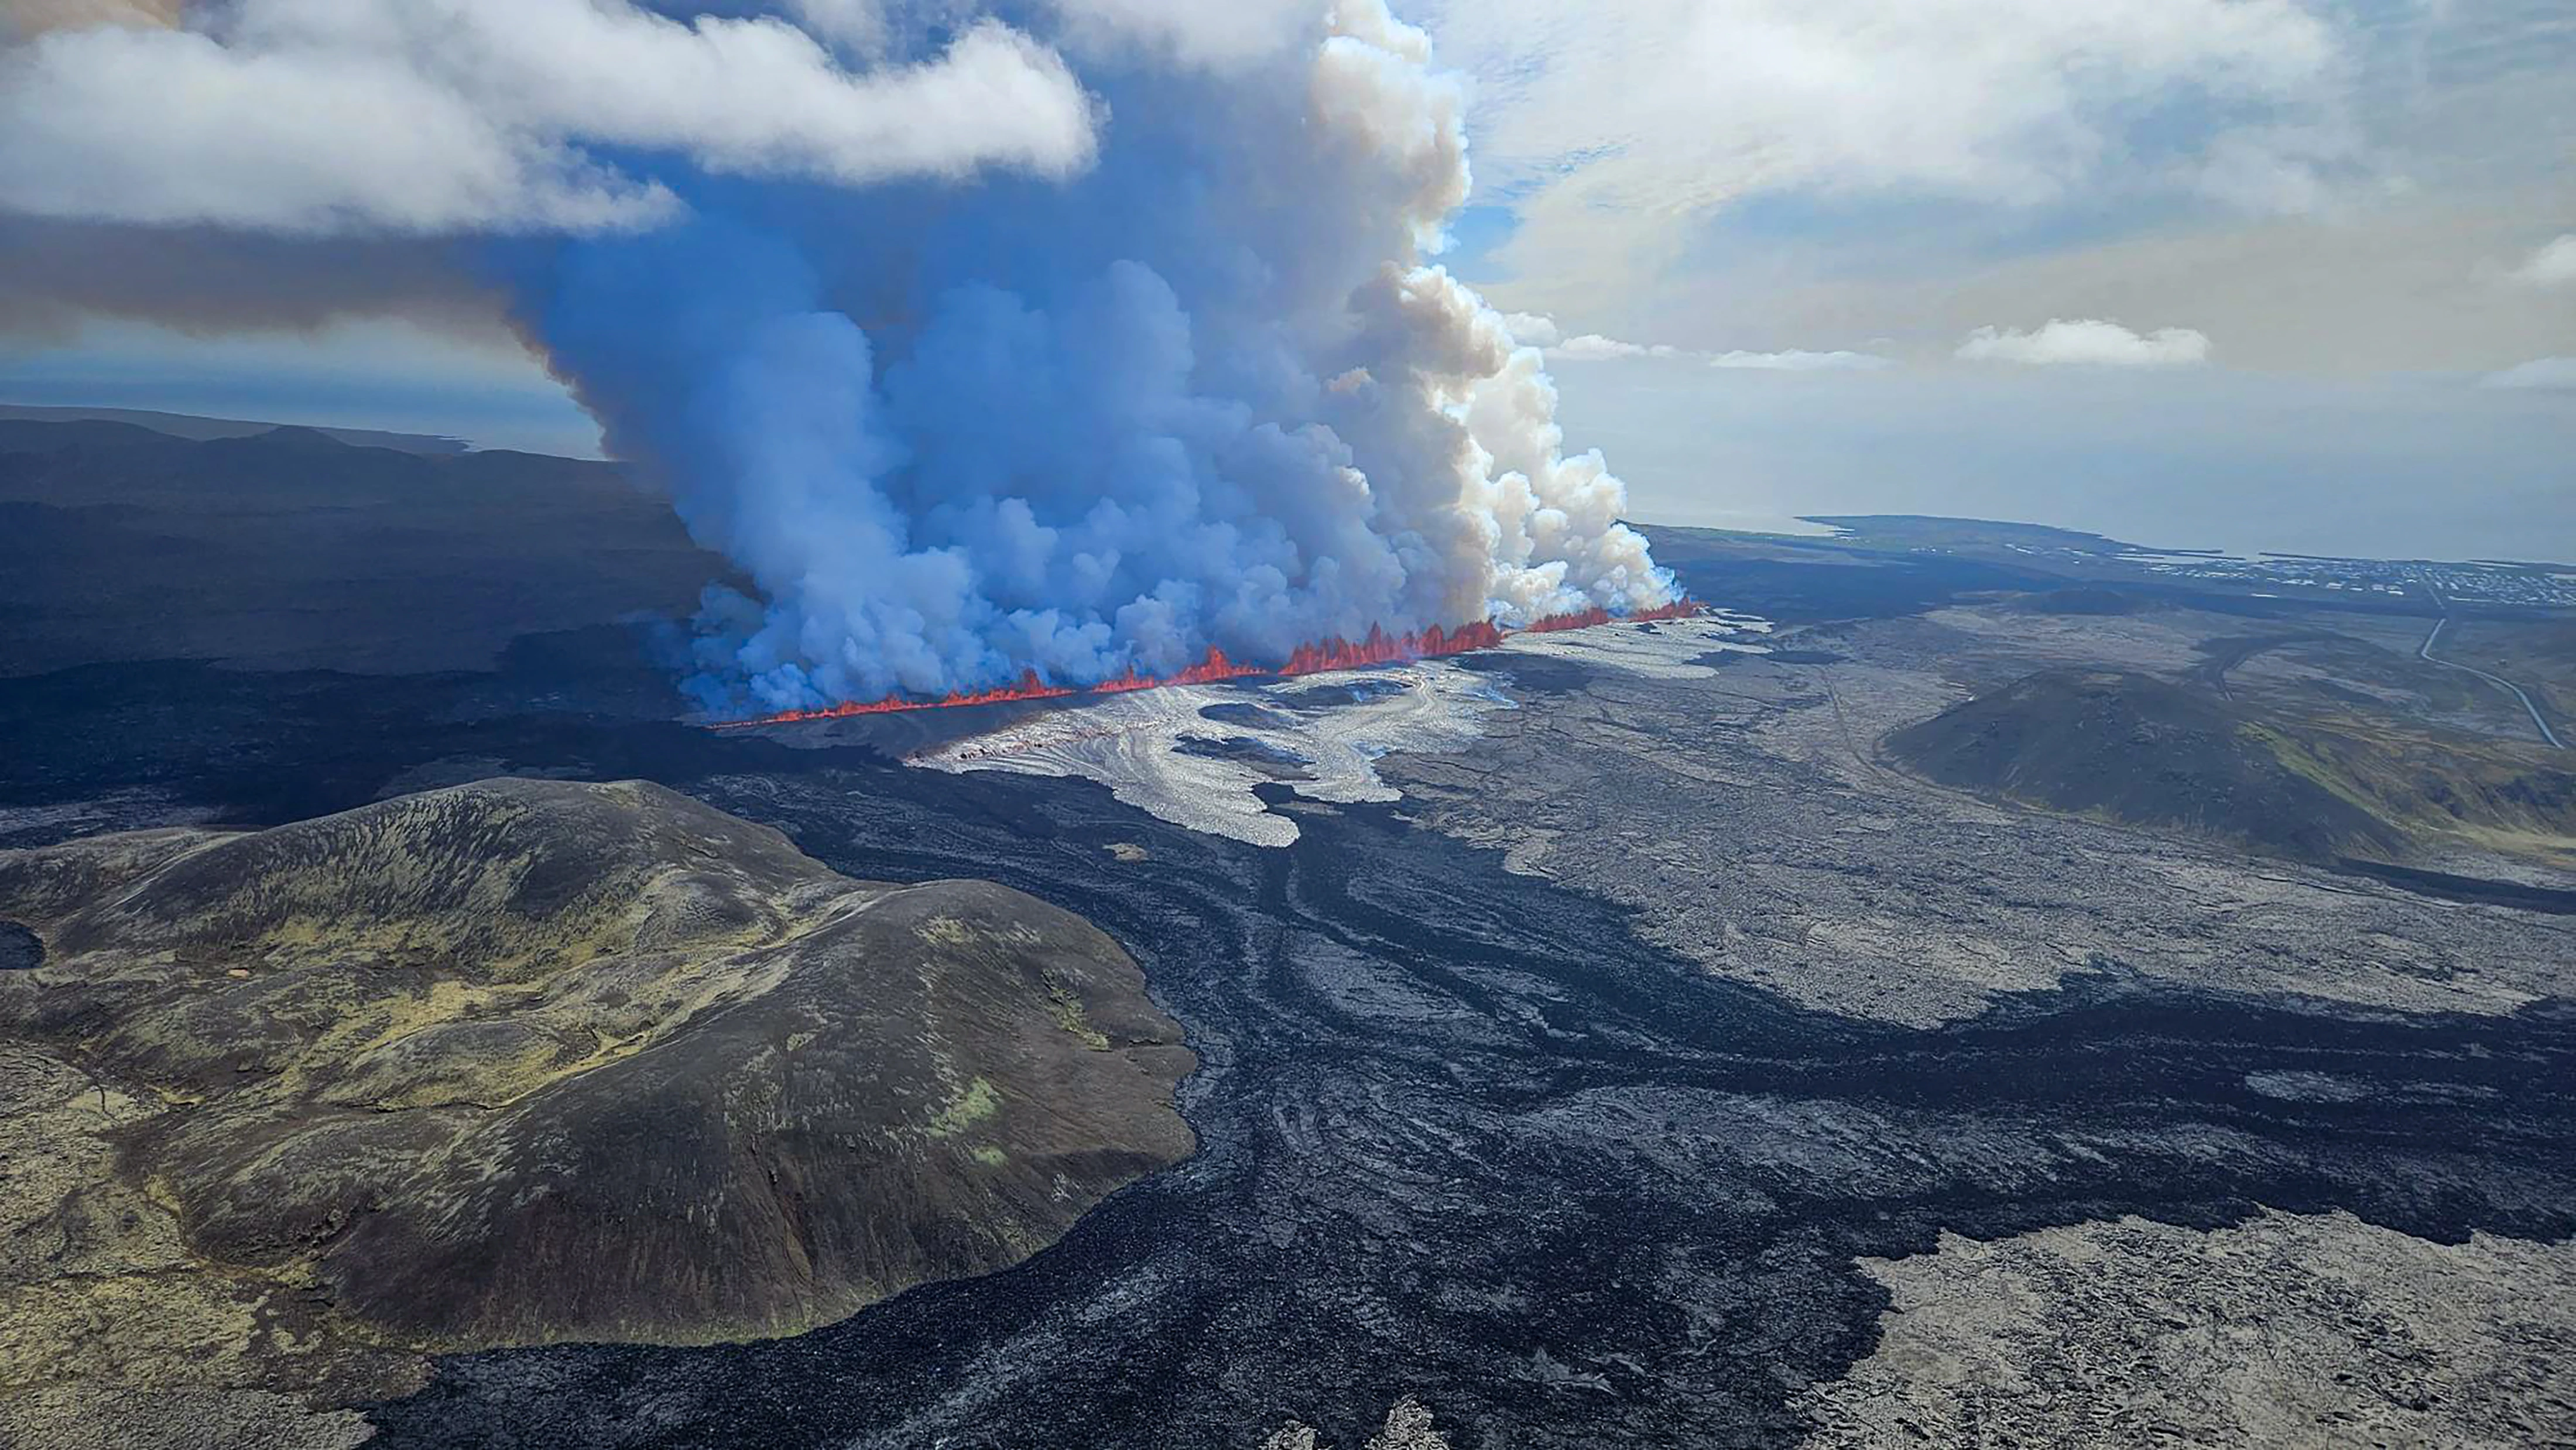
{"x": 1210, "y": 393}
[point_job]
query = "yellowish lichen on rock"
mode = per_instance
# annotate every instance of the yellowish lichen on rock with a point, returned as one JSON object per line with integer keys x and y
{"x": 972, "y": 1104}
{"x": 279, "y": 1110}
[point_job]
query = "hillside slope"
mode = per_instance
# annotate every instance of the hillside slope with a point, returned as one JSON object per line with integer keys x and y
{"x": 291, "y": 549}
{"x": 526, "y": 1061}
{"x": 2141, "y": 750}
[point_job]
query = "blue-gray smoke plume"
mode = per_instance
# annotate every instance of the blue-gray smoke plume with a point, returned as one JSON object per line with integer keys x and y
{"x": 1203, "y": 392}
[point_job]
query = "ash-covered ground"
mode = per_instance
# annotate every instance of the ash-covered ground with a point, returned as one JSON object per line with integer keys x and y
{"x": 1511, "y": 1144}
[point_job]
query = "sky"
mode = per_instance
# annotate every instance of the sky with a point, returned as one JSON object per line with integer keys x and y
{"x": 2289, "y": 274}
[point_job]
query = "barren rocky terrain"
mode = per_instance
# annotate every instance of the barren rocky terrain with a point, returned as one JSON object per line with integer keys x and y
{"x": 519, "y": 1062}
{"x": 2286, "y": 1330}
{"x": 1752, "y": 819}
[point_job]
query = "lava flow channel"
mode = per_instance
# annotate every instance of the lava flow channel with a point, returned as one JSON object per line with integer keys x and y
{"x": 1380, "y": 648}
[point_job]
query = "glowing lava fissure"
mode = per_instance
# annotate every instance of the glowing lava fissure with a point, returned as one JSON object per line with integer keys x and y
{"x": 1380, "y": 648}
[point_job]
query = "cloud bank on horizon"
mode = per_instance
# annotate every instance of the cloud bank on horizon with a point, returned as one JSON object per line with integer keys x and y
{"x": 2551, "y": 374}
{"x": 1074, "y": 338}
{"x": 1538, "y": 330}
{"x": 2087, "y": 342}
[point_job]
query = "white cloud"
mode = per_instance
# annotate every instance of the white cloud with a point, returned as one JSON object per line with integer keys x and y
{"x": 2554, "y": 374}
{"x": 1614, "y": 122}
{"x": 2279, "y": 170}
{"x": 2087, "y": 342}
{"x": 315, "y": 116}
{"x": 1797, "y": 360}
{"x": 1532, "y": 329}
{"x": 2554, "y": 265}
{"x": 1593, "y": 347}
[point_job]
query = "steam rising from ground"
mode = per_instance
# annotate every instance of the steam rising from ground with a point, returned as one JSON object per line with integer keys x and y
{"x": 1074, "y": 338}
{"x": 1205, "y": 393}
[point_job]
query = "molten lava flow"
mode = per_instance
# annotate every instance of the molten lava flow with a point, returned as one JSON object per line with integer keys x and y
{"x": 1380, "y": 648}
{"x": 1030, "y": 687}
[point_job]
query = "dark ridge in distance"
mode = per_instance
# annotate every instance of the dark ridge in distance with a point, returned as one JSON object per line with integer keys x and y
{"x": 200, "y": 430}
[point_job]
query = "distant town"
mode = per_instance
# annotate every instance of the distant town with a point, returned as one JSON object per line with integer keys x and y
{"x": 2535, "y": 585}
{"x": 2399, "y": 585}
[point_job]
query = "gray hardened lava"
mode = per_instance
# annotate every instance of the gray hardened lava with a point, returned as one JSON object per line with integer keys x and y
{"x": 1462, "y": 1138}
{"x": 1464, "y": 1135}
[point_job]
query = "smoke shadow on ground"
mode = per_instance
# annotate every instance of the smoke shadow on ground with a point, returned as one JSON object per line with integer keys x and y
{"x": 21, "y": 950}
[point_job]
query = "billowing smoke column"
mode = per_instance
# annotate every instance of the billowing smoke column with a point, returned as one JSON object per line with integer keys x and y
{"x": 1080, "y": 342}
{"x": 1205, "y": 392}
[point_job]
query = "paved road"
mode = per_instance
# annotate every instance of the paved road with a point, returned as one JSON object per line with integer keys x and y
{"x": 2497, "y": 680}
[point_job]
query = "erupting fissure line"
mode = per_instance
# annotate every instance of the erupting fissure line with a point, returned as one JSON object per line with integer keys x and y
{"x": 1380, "y": 648}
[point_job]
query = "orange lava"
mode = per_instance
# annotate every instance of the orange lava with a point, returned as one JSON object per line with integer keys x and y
{"x": 1380, "y": 648}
